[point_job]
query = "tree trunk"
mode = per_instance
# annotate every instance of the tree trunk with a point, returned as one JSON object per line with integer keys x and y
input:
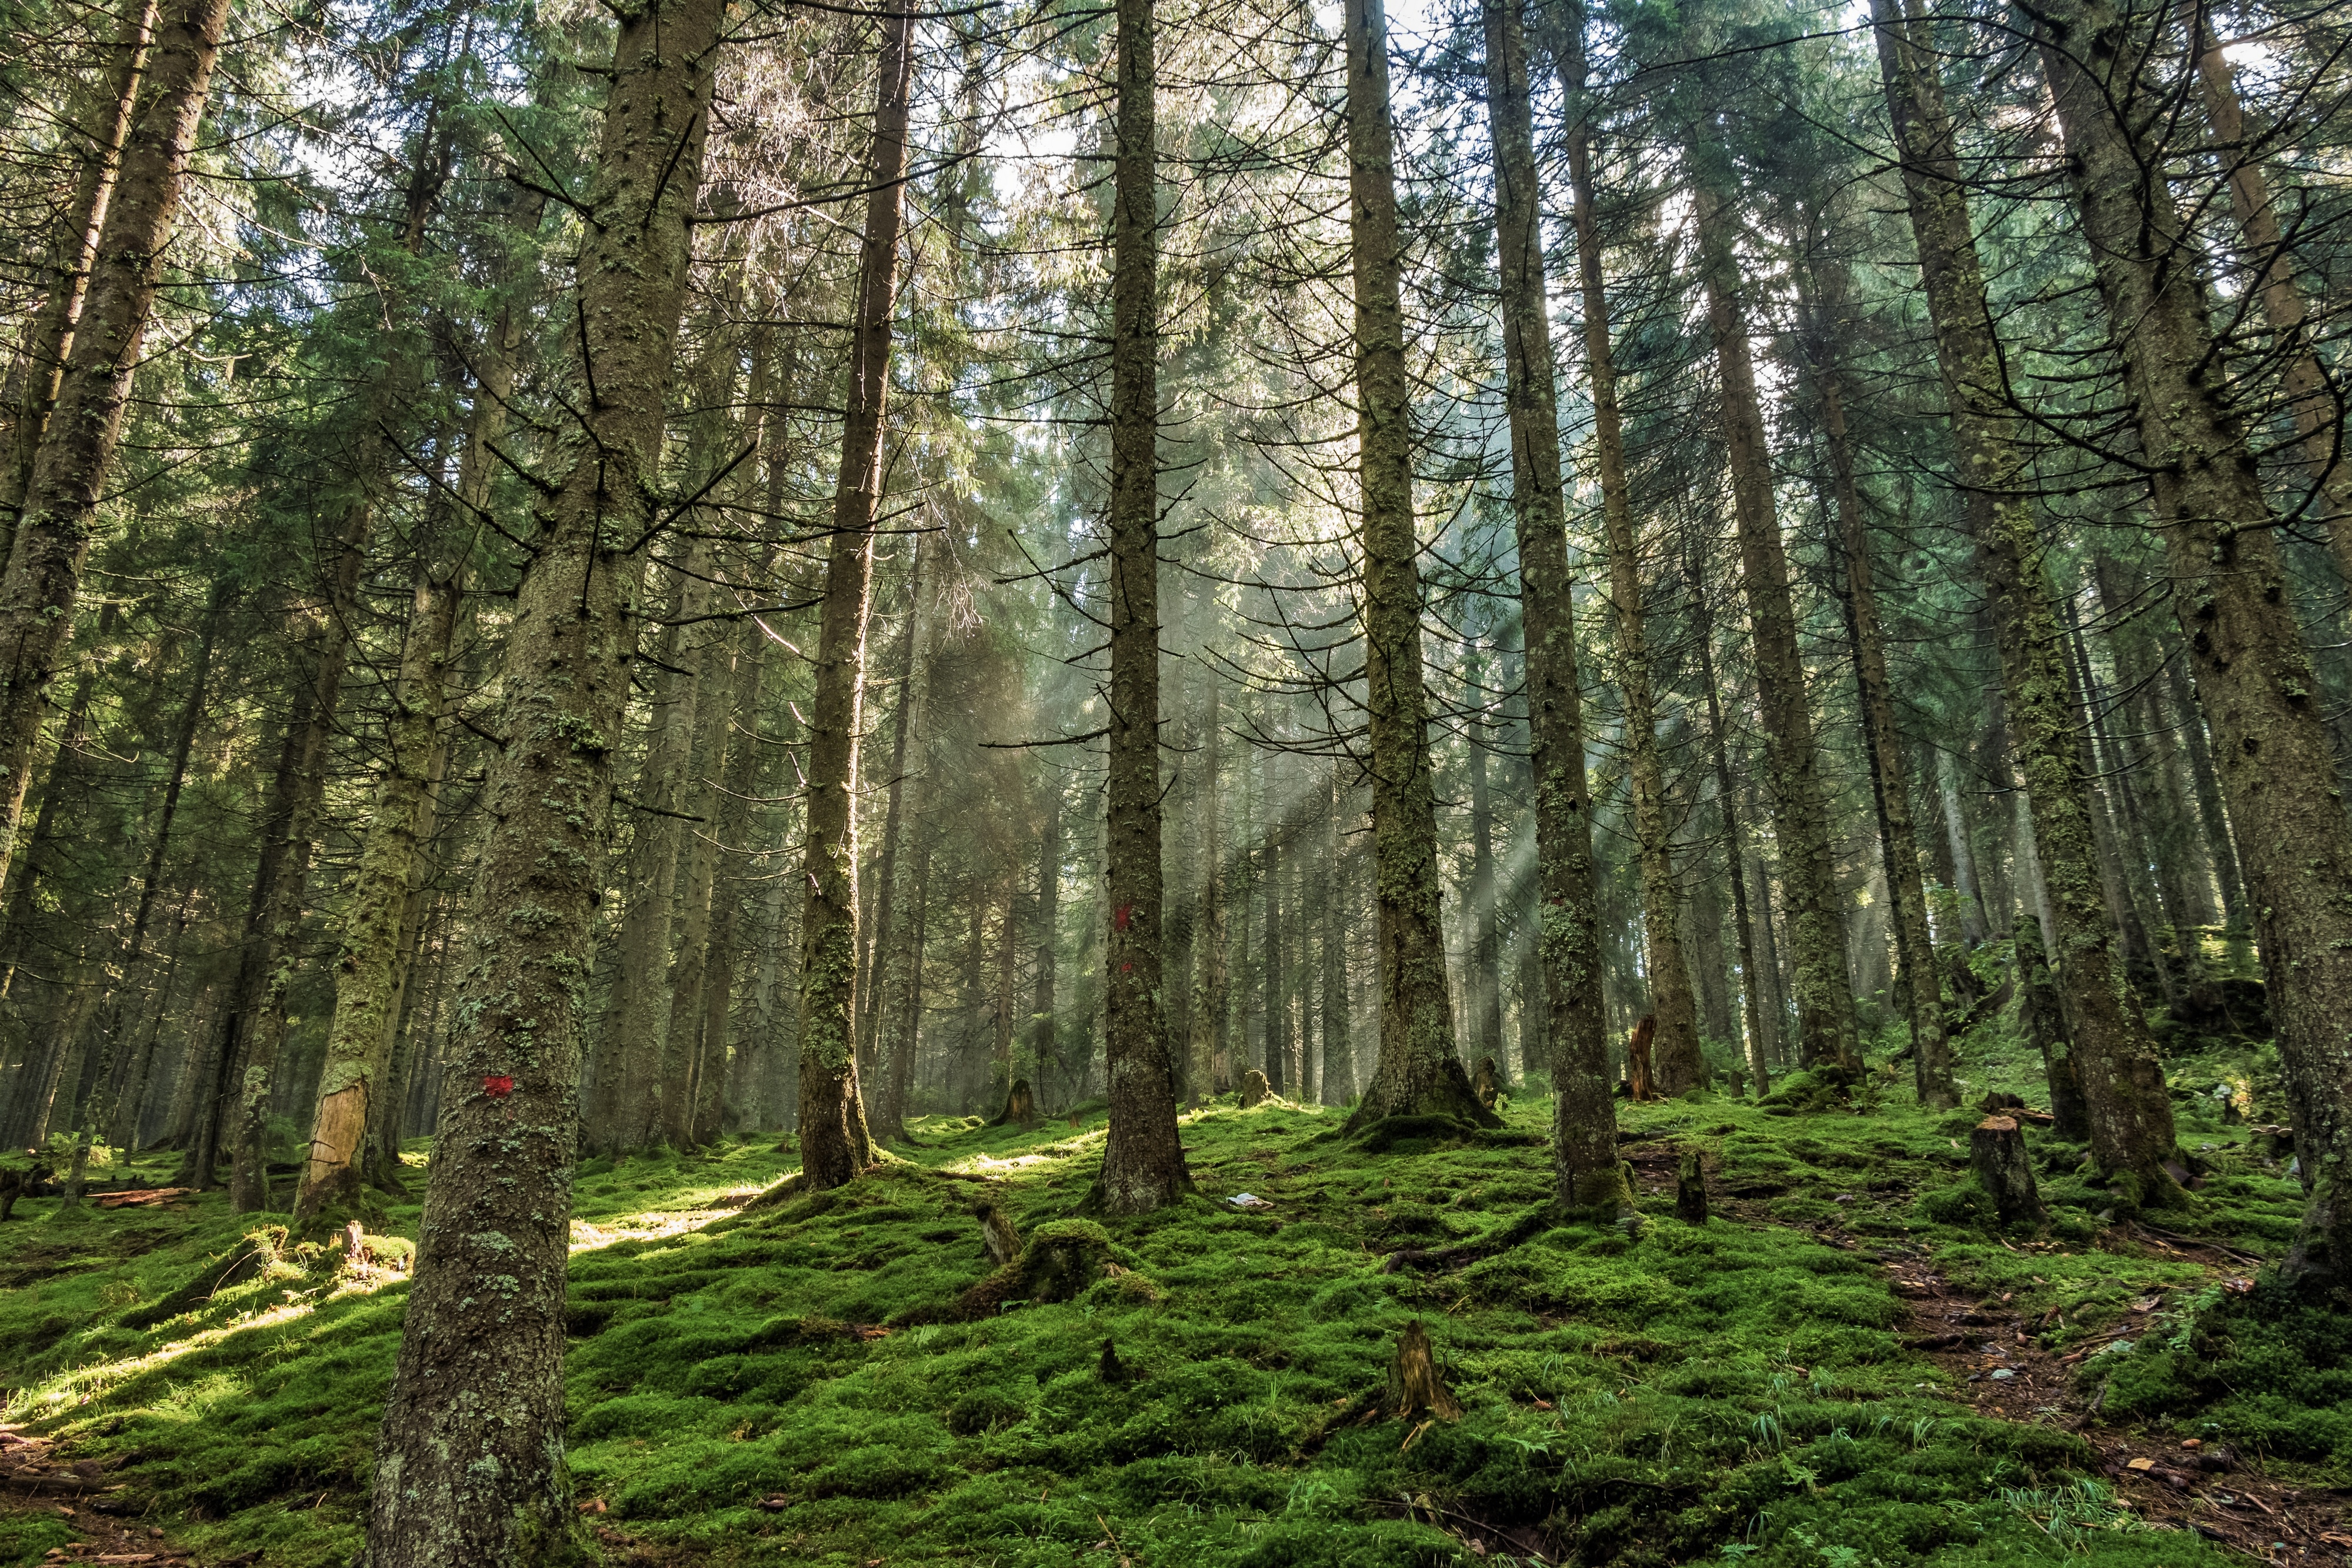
{"x": 886, "y": 875}
{"x": 1923, "y": 991}
{"x": 2131, "y": 1118}
{"x": 469, "y": 1466}
{"x": 1996, "y": 1155}
{"x": 835, "y": 1143}
{"x": 85, "y": 426}
{"x": 1973, "y": 928}
{"x": 2253, "y": 678}
{"x": 1049, "y": 922}
{"x": 102, "y": 121}
{"x": 1419, "y": 1073}
{"x": 98, "y": 1113}
{"x": 1206, "y": 1053}
{"x": 1826, "y": 1027}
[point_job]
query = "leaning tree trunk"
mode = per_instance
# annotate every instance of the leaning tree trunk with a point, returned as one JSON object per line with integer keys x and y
{"x": 469, "y": 1466}
{"x": 2130, "y": 1116}
{"x": 2232, "y": 594}
{"x": 1587, "y": 1176}
{"x": 835, "y": 1143}
{"x": 1418, "y": 1073}
{"x": 1923, "y": 991}
{"x": 102, "y": 121}
{"x": 1826, "y": 1028}
{"x": 85, "y": 425}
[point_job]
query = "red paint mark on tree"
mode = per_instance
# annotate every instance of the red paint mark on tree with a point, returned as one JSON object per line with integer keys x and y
{"x": 497, "y": 1086}
{"x": 1122, "y": 915}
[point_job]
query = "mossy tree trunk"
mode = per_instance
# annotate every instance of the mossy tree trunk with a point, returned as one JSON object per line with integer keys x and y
{"x": 1143, "y": 1159}
{"x": 2253, "y": 677}
{"x": 1484, "y": 979}
{"x": 835, "y": 1143}
{"x": 894, "y": 818}
{"x": 84, "y": 428}
{"x": 1588, "y": 1179}
{"x": 2130, "y": 1119}
{"x": 469, "y": 1466}
{"x": 1826, "y": 1027}
{"x": 101, "y": 122}
{"x": 1418, "y": 1073}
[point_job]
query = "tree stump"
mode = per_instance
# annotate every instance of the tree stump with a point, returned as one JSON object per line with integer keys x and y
{"x": 1415, "y": 1389}
{"x": 1002, "y": 1242}
{"x": 1255, "y": 1091}
{"x": 1487, "y": 1082}
{"x": 1110, "y": 1368}
{"x": 1690, "y": 1190}
{"x": 1637, "y": 1059}
{"x": 1020, "y": 1106}
{"x": 1996, "y": 1155}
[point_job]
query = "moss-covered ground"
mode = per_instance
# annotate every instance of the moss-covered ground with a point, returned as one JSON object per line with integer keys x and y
{"x": 777, "y": 1385}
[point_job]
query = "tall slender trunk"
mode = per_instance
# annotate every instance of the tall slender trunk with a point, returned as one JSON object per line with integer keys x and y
{"x": 1485, "y": 977}
{"x": 101, "y": 122}
{"x": 1759, "y": 995}
{"x": 702, "y": 1059}
{"x": 1588, "y": 1179}
{"x": 1826, "y": 1027}
{"x": 835, "y": 1143}
{"x": 1338, "y": 1044}
{"x": 1206, "y": 1048}
{"x": 898, "y": 1084}
{"x": 1923, "y": 990}
{"x": 2253, "y": 677}
{"x": 85, "y": 426}
{"x": 1143, "y": 1162}
{"x": 1964, "y": 855}
{"x": 469, "y": 1466}
{"x": 97, "y": 1114}
{"x": 886, "y": 872}
{"x": 1049, "y": 918}
{"x": 1419, "y": 1073}
{"x": 2130, "y": 1115}
{"x": 2312, "y": 402}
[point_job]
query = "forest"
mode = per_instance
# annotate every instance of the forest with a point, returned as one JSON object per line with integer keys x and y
{"x": 1175, "y": 782}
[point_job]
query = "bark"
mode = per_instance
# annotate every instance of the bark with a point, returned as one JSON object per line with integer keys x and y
{"x": 77, "y": 445}
{"x": 470, "y": 1467}
{"x": 1272, "y": 976}
{"x": 700, "y": 1061}
{"x": 1826, "y": 1027}
{"x": 2312, "y": 401}
{"x": 1588, "y": 1179}
{"x": 2253, "y": 678}
{"x": 101, "y": 124}
{"x": 835, "y": 1143}
{"x": 1418, "y": 1073}
{"x": 1923, "y": 991}
{"x": 2131, "y": 1115}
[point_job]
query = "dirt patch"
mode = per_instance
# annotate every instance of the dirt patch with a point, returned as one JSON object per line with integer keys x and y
{"x": 1996, "y": 1355}
{"x": 83, "y": 1497}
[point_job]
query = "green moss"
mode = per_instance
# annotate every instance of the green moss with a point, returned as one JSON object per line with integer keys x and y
{"x": 806, "y": 1371}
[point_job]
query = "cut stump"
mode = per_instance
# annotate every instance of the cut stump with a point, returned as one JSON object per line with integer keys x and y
{"x": 1255, "y": 1091}
{"x": 1997, "y": 1154}
{"x": 1415, "y": 1389}
{"x": 1690, "y": 1189}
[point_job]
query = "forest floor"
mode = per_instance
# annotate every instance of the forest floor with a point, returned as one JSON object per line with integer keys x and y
{"x": 1842, "y": 1368}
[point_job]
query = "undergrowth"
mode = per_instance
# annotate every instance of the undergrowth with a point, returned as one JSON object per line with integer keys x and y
{"x": 802, "y": 1381}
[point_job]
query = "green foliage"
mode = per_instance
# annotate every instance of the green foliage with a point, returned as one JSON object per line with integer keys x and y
{"x": 804, "y": 1372}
